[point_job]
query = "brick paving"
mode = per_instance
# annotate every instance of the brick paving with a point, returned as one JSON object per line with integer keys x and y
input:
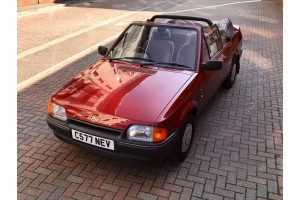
{"x": 237, "y": 151}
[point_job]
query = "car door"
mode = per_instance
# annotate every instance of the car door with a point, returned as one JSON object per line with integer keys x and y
{"x": 207, "y": 81}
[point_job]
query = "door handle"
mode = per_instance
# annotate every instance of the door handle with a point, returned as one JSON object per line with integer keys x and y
{"x": 225, "y": 58}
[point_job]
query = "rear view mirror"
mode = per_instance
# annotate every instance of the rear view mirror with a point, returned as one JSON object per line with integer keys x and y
{"x": 102, "y": 50}
{"x": 211, "y": 65}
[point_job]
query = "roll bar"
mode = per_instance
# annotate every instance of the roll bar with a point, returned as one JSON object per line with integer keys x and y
{"x": 208, "y": 21}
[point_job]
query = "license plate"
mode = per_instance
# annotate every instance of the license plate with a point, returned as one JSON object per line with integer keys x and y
{"x": 93, "y": 140}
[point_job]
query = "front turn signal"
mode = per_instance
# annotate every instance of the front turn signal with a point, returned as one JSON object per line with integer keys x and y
{"x": 159, "y": 134}
{"x": 49, "y": 108}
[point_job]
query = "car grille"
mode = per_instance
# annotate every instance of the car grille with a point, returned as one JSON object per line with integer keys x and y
{"x": 94, "y": 129}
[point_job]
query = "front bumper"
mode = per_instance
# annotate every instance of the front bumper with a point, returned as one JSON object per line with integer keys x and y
{"x": 124, "y": 149}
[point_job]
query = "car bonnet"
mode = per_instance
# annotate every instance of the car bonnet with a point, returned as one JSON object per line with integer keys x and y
{"x": 120, "y": 93}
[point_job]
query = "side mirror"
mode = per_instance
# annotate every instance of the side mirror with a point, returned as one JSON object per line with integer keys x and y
{"x": 211, "y": 65}
{"x": 102, "y": 50}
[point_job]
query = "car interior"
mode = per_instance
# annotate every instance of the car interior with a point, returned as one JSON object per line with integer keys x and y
{"x": 181, "y": 47}
{"x": 224, "y": 27}
{"x": 173, "y": 45}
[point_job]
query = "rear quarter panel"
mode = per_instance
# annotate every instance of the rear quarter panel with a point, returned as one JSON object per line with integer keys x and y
{"x": 236, "y": 44}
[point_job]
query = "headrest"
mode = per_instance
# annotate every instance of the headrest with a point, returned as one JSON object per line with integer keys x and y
{"x": 161, "y": 33}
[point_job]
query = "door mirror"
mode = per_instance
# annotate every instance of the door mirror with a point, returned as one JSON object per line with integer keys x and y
{"x": 211, "y": 65}
{"x": 102, "y": 50}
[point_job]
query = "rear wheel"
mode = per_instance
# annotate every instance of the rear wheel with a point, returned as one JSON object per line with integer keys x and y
{"x": 229, "y": 81}
{"x": 186, "y": 134}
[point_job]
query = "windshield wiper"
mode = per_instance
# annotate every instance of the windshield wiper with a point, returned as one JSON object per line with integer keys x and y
{"x": 147, "y": 63}
{"x": 110, "y": 59}
{"x": 165, "y": 63}
{"x": 139, "y": 58}
{"x": 173, "y": 64}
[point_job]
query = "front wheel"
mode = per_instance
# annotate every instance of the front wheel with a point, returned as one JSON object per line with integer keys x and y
{"x": 186, "y": 134}
{"x": 229, "y": 81}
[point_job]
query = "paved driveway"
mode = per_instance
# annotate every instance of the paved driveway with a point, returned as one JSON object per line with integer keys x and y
{"x": 236, "y": 152}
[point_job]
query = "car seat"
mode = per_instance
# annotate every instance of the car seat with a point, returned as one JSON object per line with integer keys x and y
{"x": 187, "y": 53}
{"x": 160, "y": 48}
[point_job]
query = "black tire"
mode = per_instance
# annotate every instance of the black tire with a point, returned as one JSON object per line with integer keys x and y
{"x": 229, "y": 81}
{"x": 182, "y": 149}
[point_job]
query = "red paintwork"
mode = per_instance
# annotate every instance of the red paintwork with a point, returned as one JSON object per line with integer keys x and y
{"x": 120, "y": 96}
{"x": 122, "y": 93}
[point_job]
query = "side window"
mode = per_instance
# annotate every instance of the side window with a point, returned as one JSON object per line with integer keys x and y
{"x": 205, "y": 54}
{"x": 213, "y": 40}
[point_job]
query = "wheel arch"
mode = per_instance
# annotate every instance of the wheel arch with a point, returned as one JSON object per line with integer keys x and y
{"x": 236, "y": 60}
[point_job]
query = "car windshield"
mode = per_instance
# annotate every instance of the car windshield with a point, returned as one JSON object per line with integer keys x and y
{"x": 163, "y": 46}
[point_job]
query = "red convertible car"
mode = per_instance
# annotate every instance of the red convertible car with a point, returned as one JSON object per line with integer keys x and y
{"x": 141, "y": 99}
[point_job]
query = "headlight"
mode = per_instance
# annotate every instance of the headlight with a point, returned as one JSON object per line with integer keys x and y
{"x": 57, "y": 111}
{"x": 146, "y": 133}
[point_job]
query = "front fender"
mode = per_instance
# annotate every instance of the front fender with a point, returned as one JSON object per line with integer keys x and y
{"x": 191, "y": 106}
